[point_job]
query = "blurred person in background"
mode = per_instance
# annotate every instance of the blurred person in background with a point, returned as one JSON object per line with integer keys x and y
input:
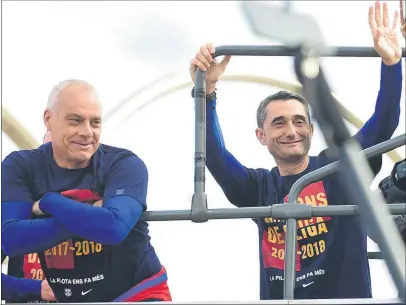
{"x": 331, "y": 257}
{"x": 88, "y": 253}
{"x": 393, "y": 189}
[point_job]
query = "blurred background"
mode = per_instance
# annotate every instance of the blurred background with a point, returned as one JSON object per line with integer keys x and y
{"x": 137, "y": 55}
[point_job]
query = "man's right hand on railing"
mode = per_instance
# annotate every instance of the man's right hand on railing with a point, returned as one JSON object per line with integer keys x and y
{"x": 213, "y": 68}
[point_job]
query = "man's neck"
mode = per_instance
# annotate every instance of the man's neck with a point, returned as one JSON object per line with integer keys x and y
{"x": 69, "y": 164}
{"x": 286, "y": 169}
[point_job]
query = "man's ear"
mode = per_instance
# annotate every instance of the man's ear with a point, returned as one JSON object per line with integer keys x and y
{"x": 311, "y": 129}
{"x": 260, "y": 136}
{"x": 47, "y": 119}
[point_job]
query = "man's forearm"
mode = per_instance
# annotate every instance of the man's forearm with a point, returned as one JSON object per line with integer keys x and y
{"x": 381, "y": 126}
{"x": 19, "y": 290}
{"x": 230, "y": 174}
{"x": 219, "y": 160}
{"x": 108, "y": 226}
{"x": 28, "y": 236}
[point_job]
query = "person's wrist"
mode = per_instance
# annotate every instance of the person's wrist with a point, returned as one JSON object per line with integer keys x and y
{"x": 36, "y": 209}
{"x": 391, "y": 62}
{"x": 210, "y": 88}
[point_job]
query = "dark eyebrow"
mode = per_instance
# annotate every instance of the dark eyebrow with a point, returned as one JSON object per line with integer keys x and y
{"x": 74, "y": 115}
{"x": 278, "y": 119}
{"x": 96, "y": 118}
{"x": 300, "y": 117}
{"x": 282, "y": 118}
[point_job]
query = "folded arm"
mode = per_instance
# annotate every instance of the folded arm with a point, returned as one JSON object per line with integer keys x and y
{"x": 110, "y": 224}
{"x": 17, "y": 290}
{"x": 238, "y": 183}
{"x": 20, "y": 234}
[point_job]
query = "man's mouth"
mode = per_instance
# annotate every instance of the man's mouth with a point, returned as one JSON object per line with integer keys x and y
{"x": 290, "y": 143}
{"x": 80, "y": 144}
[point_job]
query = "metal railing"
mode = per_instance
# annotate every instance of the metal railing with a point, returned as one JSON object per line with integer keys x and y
{"x": 351, "y": 158}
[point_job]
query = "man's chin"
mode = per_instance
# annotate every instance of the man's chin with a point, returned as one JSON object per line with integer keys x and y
{"x": 81, "y": 157}
{"x": 294, "y": 156}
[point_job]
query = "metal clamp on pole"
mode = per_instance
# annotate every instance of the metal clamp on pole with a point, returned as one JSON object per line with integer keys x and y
{"x": 199, "y": 199}
{"x": 285, "y": 211}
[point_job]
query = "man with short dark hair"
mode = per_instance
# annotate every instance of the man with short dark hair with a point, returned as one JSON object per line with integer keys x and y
{"x": 331, "y": 252}
{"x": 88, "y": 253}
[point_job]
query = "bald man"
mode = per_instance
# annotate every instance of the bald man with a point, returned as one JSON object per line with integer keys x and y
{"x": 88, "y": 253}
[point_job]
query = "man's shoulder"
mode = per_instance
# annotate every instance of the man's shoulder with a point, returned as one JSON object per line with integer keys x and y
{"x": 113, "y": 151}
{"x": 260, "y": 173}
{"x": 25, "y": 157}
{"x": 111, "y": 155}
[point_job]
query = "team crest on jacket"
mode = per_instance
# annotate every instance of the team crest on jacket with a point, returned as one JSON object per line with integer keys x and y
{"x": 68, "y": 292}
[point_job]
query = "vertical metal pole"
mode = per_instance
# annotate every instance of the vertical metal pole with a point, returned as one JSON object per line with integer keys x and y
{"x": 290, "y": 259}
{"x": 199, "y": 199}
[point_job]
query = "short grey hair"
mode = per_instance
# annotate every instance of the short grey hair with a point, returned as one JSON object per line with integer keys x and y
{"x": 53, "y": 96}
{"x": 279, "y": 96}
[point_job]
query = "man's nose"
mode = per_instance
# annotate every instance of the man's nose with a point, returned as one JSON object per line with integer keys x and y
{"x": 85, "y": 129}
{"x": 290, "y": 130}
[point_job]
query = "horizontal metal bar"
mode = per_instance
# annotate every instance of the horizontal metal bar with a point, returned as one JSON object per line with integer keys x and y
{"x": 276, "y": 51}
{"x": 375, "y": 255}
{"x": 270, "y": 211}
{"x": 320, "y": 173}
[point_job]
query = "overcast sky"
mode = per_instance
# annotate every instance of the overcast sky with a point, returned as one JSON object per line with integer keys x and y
{"x": 121, "y": 46}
